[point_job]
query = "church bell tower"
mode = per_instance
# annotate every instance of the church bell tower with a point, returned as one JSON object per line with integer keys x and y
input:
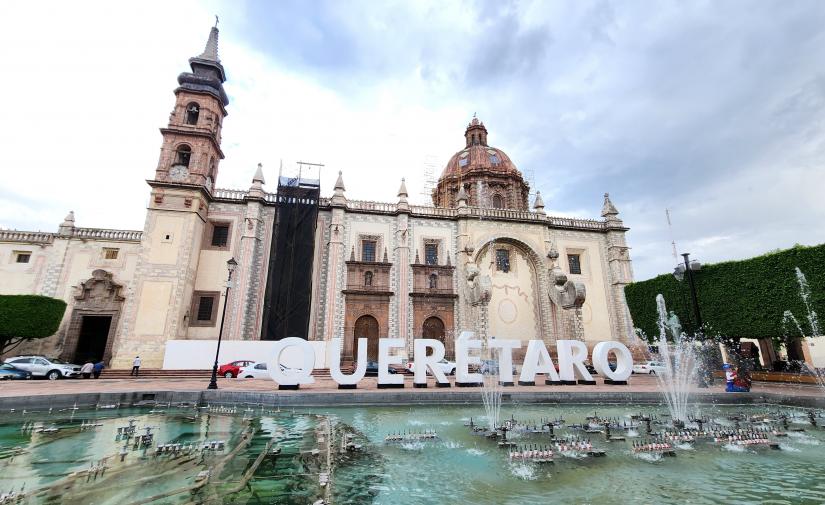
{"x": 191, "y": 147}
{"x": 177, "y": 217}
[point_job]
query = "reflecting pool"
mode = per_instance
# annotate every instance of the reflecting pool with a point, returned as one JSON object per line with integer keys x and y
{"x": 176, "y": 454}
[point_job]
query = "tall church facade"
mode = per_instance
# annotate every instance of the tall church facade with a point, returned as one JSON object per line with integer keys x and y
{"x": 484, "y": 257}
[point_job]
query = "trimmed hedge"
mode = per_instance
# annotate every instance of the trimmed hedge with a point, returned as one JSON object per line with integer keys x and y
{"x": 738, "y": 299}
{"x": 28, "y": 317}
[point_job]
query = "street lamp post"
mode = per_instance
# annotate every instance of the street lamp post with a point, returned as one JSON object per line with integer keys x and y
{"x": 705, "y": 378}
{"x": 230, "y": 266}
{"x": 688, "y": 268}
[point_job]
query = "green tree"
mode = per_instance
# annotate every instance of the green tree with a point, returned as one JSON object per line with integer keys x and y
{"x": 28, "y": 317}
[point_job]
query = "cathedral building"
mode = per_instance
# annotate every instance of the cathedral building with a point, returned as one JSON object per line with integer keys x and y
{"x": 485, "y": 257}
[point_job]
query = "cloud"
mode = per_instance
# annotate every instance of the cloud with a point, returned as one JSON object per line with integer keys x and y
{"x": 714, "y": 110}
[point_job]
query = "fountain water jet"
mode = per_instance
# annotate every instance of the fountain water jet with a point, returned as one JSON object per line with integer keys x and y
{"x": 680, "y": 361}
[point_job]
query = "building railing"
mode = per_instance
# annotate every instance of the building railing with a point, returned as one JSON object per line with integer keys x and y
{"x": 433, "y": 291}
{"x": 578, "y": 224}
{"x": 367, "y": 205}
{"x": 440, "y": 212}
{"x": 35, "y": 237}
{"x": 426, "y": 210}
{"x": 103, "y": 234}
{"x": 229, "y": 194}
{"x": 377, "y": 288}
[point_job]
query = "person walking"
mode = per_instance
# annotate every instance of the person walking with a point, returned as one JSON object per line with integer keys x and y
{"x": 86, "y": 370}
{"x": 98, "y": 368}
{"x": 135, "y": 366}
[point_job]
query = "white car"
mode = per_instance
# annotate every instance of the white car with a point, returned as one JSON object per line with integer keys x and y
{"x": 448, "y": 367}
{"x": 649, "y": 367}
{"x": 40, "y": 366}
{"x": 258, "y": 370}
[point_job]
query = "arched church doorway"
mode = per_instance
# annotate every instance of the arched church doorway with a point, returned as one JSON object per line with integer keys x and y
{"x": 433, "y": 327}
{"x": 367, "y": 327}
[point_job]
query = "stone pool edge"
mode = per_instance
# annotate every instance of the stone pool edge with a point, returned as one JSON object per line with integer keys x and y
{"x": 388, "y": 398}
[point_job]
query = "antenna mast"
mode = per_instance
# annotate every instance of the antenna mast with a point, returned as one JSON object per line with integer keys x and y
{"x": 670, "y": 231}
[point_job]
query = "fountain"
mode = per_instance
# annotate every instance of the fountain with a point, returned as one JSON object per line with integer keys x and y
{"x": 680, "y": 361}
{"x": 789, "y": 319}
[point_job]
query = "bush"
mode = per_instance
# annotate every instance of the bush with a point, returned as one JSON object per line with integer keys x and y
{"x": 28, "y": 317}
{"x": 737, "y": 299}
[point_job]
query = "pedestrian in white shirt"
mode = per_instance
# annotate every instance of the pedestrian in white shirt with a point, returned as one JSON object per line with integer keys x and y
{"x": 135, "y": 366}
{"x": 86, "y": 370}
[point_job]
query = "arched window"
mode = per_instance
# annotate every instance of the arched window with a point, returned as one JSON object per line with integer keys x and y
{"x": 182, "y": 155}
{"x": 497, "y": 202}
{"x": 193, "y": 110}
{"x": 367, "y": 278}
{"x": 433, "y": 281}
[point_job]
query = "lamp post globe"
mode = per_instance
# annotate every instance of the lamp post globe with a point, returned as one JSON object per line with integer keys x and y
{"x": 231, "y": 265}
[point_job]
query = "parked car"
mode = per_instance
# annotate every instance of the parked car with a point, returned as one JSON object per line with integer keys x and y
{"x": 257, "y": 370}
{"x": 448, "y": 367}
{"x": 490, "y": 367}
{"x": 589, "y": 367}
{"x": 254, "y": 370}
{"x": 40, "y": 366}
{"x": 230, "y": 370}
{"x": 10, "y": 372}
{"x": 372, "y": 368}
{"x": 649, "y": 367}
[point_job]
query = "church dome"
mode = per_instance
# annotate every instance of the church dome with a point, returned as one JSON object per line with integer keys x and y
{"x": 487, "y": 174}
{"x": 478, "y": 156}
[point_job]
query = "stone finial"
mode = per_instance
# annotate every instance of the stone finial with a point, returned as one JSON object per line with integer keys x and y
{"x": 338, "y": 198}
{"x": 259, "y": 174}
{"x": 257, "y": 190}
{"x": 417, "y": 261}
{"x": 67, "y": 225}
{"x": 386, "y": 258}
{"x": 539, "y": 205}
{"x": 609, "y": 211}
{"x": 462, "y": 197}
{"x": 352, "y": 254}
{"x": 210, "y": 52}
{"x": 449, "y": 262}
{"x": 402, "y": 196}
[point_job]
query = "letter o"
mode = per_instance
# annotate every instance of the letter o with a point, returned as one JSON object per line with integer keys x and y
{"x": 624, "y": 360}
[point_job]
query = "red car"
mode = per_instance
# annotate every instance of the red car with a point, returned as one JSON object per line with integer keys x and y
{"x": 230, "y": 370}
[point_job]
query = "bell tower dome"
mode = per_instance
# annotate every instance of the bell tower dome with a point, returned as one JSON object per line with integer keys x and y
{"x": 191, "y": 149}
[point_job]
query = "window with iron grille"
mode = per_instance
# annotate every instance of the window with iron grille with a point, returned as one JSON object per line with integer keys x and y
{"x": 368, "y": 250}
{"x": 22, "y": 257}
{"x": 204, "y": 308}
{"x": 574, "y": 260}
{"x": 503, "y": 260}
{"x": 110, "y": 253}
{"x": 220, "y": 235}
{"x": 431, "y": 254}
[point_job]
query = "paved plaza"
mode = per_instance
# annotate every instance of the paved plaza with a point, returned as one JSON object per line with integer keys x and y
{"x": 637, "y": 384}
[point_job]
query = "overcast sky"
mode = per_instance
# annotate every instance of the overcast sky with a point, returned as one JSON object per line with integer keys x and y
{"x": 715, "y": 110}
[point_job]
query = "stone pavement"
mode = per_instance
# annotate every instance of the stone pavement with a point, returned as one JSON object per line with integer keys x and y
{"x": 637, "y": 384}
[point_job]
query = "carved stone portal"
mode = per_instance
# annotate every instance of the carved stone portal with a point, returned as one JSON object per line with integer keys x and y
{"x": 98, "y": 301}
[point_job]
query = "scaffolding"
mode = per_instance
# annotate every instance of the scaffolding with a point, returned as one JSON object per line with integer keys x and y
{"x": 288, "y": 294}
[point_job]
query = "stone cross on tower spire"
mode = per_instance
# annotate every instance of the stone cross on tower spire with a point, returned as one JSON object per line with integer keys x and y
{"x": 210, "y": 52}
